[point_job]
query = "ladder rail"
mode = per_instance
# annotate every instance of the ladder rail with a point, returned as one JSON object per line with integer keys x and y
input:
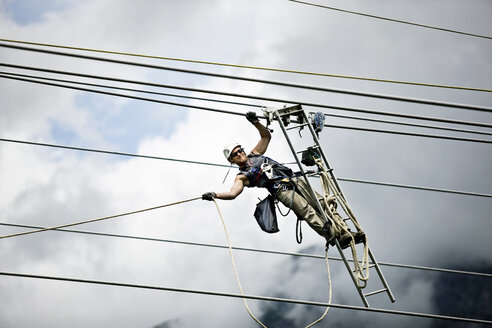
{"x": 325, "y": 160}
{"x": 381, "y": 275}
{"x": 347, "y": 265}
{"x": 311, "y": 189}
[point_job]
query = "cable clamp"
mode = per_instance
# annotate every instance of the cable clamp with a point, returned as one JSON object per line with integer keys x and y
{"x": 268, "y": 114}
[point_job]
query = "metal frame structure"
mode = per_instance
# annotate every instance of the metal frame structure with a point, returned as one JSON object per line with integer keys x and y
{"x": 297, "y": 115}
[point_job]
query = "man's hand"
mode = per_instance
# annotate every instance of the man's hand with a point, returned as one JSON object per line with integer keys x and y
{"x": 251, "y": 116}
{"x": 209, "y": 196}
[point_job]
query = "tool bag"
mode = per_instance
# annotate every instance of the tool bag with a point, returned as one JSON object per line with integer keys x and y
{"x": 265, "y": 215}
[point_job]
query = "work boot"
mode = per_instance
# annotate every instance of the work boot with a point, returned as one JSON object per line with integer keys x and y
{"x": 359, "y": 237}
{"x": 346, "y": 237}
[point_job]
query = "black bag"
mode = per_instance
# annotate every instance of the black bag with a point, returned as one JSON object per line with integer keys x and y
{"x": 265, "y": 215}
{"x": 308, "y": 156}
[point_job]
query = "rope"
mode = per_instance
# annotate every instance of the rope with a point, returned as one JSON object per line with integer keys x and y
{"x": 98, "y": 219}
{"x": 326, "y": 183}
{"x": 358, "y": 267}
{"x": 249, "y": 67}
{"x": 329, "y": 293}
{"x": 241, "y": 288}
{"x": 234, "y": 266}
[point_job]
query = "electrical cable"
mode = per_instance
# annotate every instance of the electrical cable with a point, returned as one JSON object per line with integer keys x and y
{"x": 238, "y": 103}
{"x": 246, "y": 79}
{"x": 393, "y": 20}
{"x": 407, "y": 124}
{"x": 466, "y": 193}
{"x": 122, "y": 95}
{"x": 132, "y": 89}
{"x": 357, "y": 110}
{"x": 99, "y": 219}
{"x": 248, "y": 67}
{"x": 411, "y": 134}
{"x": 236, "y": 113}
{"x": 246, "y": 249}
{"x": 253, "y": 297}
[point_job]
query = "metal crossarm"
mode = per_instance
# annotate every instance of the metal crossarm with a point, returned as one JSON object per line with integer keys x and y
{"x": 299, "y": 119}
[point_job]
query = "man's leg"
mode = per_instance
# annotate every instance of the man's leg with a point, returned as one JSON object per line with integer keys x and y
{"x": 344, "y": 235}
{"x": 304, "y": 210}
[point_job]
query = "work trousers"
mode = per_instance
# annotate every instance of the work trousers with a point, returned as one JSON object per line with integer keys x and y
{"x": 304, "y": 206}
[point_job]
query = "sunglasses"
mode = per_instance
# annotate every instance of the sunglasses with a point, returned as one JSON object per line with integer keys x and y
{"x": 234, "y": 154}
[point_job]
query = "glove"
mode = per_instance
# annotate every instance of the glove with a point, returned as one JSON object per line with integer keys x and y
{"x": 251, "y": 116}
{"x": 209, "y": 196}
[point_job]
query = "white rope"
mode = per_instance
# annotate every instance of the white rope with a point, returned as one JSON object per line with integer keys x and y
{"x": 359, "y": 267}
{"x": 329, "y": 293}
{"x": 241, "y": 288}
{"x": 234, "y": 267}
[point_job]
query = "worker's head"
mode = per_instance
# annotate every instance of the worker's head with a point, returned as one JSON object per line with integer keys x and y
{"x": 234, "y": 153}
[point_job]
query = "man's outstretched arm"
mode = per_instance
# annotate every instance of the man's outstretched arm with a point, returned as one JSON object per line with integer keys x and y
{"x": 265, "y": 135}
{"x": 236, "y": 189}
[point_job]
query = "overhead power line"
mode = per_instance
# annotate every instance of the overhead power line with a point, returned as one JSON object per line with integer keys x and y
{"x": 393, "y": 20}
{"x": 132, "y": 90}
{"x": 236, "y": 113}
{"x": 465, "y": 193}
{"x": 246, "y": 79}
{"x": 408, "y": 134}
{"x": 160, "y": 85}
{"x": 253, "y": 297}
{"x": 254, "y": 250}
{"x": 408, "y": 124}
{"x": 249, "y": 67}
{"x": 99, "y": 219}
{"x": 237, "y": 103}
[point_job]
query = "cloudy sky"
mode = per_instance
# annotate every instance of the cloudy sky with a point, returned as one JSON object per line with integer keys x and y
{"x": 48, "y": 186}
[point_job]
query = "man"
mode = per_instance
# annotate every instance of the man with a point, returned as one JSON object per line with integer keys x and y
{"x": 257, "y": 170}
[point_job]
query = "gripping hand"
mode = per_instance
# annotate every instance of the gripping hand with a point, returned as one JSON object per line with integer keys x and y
{"x": 209, "y": 196}
{"x": 251, "y": 116}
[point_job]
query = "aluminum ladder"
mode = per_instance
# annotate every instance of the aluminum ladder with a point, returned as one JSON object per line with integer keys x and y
{"x": 297, "y": 118}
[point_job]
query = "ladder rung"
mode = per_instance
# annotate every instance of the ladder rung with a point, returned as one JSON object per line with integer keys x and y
{"x": 297, "y": 126}
{"x": 346, "y": 219}
{"x": 376, "y": 292}
{"x": 290, "y": 113}
{"x": 300, "y": 151}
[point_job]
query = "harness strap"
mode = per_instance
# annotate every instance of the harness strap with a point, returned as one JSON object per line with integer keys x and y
{"x": 281, "y": 185}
